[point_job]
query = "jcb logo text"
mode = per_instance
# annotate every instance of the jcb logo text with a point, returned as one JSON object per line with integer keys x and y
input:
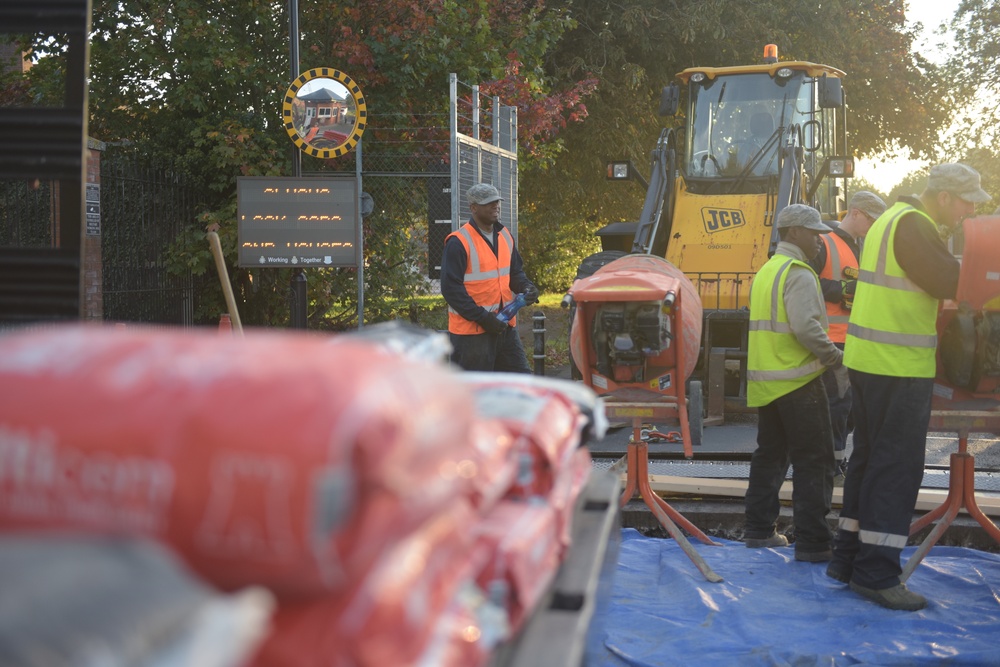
{"x": 721, "y": 219}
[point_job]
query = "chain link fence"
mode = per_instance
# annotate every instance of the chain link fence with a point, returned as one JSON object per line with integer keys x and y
{"x": 484, "y": 152}
{"x": 26, "y": 214}
{"x": 407, "y": 169}
{"x": 401, "y": 166}
{"x": 144, "y": 207}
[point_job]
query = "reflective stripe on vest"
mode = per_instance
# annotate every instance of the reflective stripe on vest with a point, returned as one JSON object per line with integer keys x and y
{"x": 777, "y": 362}
{"x": 838, "y": 257}
{"x": 893, "y": 326}
{"x": 487, "y": 276}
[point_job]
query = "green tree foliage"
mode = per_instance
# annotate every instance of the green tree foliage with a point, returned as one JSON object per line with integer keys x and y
{"x": 637, "y": 46}
{"x": 857, "y": 184}
{"x": 913, "y": 184}
{"x": 398, "y": 51}
{"x": 974, "y": 66}
{"x": 198, "y": 86}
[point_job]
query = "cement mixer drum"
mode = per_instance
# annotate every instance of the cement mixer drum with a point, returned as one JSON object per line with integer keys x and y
{"x": 637, "y": 324}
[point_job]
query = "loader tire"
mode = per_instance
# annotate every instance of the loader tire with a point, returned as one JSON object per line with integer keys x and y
{"x": 589, "y": 265}
{"x": 587, "y": 268}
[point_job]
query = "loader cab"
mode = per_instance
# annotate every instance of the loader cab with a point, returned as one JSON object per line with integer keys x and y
{"x": 740, "y": 118}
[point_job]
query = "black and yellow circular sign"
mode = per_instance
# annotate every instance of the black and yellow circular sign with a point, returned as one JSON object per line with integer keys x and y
{"x": 324, "y": 112}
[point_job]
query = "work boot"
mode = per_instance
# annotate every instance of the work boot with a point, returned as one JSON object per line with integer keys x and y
{"x": 898, "y": 597}
{"x": 813, "y": 556}
{"x": 839, "y": 571}
{"x": 775, "y": 540}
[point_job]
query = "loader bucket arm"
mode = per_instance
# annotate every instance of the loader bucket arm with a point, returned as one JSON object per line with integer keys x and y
{"x": 649, "y": 238}
{"x": 789, "y": 182}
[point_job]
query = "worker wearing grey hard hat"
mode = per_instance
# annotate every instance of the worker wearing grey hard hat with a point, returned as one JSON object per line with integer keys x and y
{"x": 788, "y": 352}
{"x": 905, "y": 270}
{"x": 481, "y": 272}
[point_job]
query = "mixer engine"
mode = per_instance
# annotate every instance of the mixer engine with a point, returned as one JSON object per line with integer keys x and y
{"x": 969, "y": 328}
{"x": 626, "y": 334}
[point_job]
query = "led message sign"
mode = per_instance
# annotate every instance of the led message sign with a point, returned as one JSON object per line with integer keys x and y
{"x": 298, "y": 222}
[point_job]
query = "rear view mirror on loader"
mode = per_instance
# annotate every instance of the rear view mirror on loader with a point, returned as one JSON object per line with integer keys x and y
{"x": 831, "y": 93}
{"x": 669, "y": 99}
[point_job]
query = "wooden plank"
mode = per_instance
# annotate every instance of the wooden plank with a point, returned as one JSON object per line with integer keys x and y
{"x": 927, "y": 499}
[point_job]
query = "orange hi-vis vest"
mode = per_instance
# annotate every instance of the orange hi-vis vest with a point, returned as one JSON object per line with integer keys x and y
{"x": 838, "y": 257}
{"x": 487, "y": 276}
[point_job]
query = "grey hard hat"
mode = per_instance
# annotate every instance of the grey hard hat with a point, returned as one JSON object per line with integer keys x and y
{"x": 801, "y": 215}
{"x": 483, "y": 193}
{"x": 960, "y": 180}
{"x": 868, "y": 203}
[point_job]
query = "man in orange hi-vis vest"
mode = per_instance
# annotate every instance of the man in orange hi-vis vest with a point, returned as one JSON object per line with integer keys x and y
{"x": 837, "y": 267}
{"x": 481, "y": 272}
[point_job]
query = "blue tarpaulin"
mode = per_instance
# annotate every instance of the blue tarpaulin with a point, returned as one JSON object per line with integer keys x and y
{"x": 774, "y": 610}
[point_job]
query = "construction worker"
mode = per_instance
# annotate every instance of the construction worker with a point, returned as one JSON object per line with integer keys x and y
{"x": 481, "y": 270}
{"x": 905, "y": 271}
{"x": 837, "y": 266}
{"x": 789, "y": 350}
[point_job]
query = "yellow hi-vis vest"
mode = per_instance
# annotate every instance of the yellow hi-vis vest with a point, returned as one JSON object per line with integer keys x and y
{"x": 487, "y": 276}
{"x": 893, "y": 327}
{"x": 777, "y": 363}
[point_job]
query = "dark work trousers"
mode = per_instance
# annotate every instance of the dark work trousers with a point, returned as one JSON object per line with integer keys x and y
{"x": 883, "y": 476}
{"x": 490, "y": 352}
{"x": 840, "y": 413}
{"x": 793, "y": 429}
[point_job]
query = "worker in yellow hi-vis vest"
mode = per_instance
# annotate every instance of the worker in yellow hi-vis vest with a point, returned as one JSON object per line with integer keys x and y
{"x": 837, "y": 266}
{"x": 789, "y": 350}
{"x": 905, "y": 270}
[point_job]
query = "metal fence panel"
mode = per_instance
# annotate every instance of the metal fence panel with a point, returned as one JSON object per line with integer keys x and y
{"x": 26, "y": 214}
{"x": 482, "y": 153}
{"x": 144, "y": 207}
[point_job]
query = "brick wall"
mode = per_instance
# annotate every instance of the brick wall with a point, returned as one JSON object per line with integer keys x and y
{"x": 12, "y": 58}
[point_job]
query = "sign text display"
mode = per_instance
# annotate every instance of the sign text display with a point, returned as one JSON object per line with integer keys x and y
{"x": 298, "y": 222}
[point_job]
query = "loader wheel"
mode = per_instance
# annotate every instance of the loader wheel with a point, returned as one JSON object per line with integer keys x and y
{"x": 696, "y": 421}
{"x": 588, "y": 267}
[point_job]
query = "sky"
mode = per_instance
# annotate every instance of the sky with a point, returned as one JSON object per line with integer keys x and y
{"x": 885, "y": 173}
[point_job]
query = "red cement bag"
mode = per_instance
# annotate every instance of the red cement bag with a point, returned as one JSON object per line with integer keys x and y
{"x": 277, "y": 459}
{"x": 518, "y": 544}
{"x": 493, "y": 462}
{"x": 388, "y": 617}
{"x": 545, "y": 424}
{"x": 566, "y": 492}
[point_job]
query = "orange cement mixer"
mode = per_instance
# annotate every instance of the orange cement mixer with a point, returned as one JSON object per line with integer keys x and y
{"x": 636, "y": 334}
{"x": 969, "y": 326}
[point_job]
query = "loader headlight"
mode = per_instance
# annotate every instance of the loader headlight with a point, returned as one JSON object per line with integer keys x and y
{"x": 840, "y": 167}
{"x": 697, "y": 77}
{"x": 619, "y": 171}
{"x": 783, "y": 72}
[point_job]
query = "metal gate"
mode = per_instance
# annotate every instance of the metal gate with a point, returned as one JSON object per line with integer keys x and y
{"x": 482, "y": 152}
{"x": 144, "y": 207}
